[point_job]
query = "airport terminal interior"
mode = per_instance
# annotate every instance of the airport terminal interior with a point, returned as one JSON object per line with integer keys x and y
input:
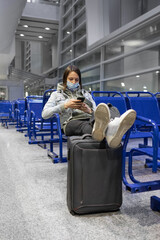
{"x": 116, "y": 45}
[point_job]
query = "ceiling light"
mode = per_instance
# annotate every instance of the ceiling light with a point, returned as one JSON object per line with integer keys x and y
{"x": 144, "y": 87}
{"x": 130, "y": 89}
{"x": 22, "y": 35}
{"x": 134, "y": 43}
{"x": 70, "y": 50}
{"x": 137, "y": 76}
{"x": 26, "y": 26}
{"x": 47, "y": 28}
{"x": 151, "y": 29}
{"x": 68, "y": 32}
{"x": 122, "y": 84}
{"x": 157, "y": 72}
{"x": 40, "y": 36}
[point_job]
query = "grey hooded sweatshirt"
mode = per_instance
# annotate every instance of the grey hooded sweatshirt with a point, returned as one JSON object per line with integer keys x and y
{"x": 56, "y": 103}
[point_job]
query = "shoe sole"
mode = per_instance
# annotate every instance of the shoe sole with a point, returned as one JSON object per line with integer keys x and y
{"x": 102, "y": 118}
{"x": 126, "y": 124}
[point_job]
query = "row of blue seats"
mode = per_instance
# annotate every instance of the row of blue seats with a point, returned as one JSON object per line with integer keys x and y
{"x": 26, "y": 115}
{"x": 147, "y": 106}
{"x": 28, "y": 118}
{"x": 24, "y": 111}
{"x": 5, "y": 111}
{"x": 12, "y": 112}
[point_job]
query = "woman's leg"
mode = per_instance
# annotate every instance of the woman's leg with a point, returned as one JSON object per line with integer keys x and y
{"x": 78, "y": 127}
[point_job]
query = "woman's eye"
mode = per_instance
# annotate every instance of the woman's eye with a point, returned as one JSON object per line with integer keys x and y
{"x": 76, "y": 80}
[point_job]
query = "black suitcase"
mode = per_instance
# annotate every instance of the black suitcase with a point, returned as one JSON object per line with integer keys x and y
{"x": 94, "y": 177}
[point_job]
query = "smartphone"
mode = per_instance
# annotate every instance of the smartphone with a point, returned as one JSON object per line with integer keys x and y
{"x": 81, "y": 98}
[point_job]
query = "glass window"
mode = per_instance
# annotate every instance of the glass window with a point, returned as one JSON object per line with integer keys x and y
{"x": 80, "y": 48}
{"x": 66, "y": 43}
{"x": 145, "y": 82}
{"x": 67, "y": 18}
{"x": 142, "y": 61}
{"x": 80, "y": 32}
{"x": 136, "y": 62}
{"x": 92, "y": 87}
{"x": 91, "y": 75}
{"x": 79, "y": 5}
{"x": 3, "y": 93}
{"x": 61, "y": 71}
{"x": 113, "y": 50}
{"x": 131, "y": 42}
{"x": 67, "y": 31}
{"x": 79, "y": 19}
{"x": 90, "y": 60}
{"x": 114, "y": 69}
{"x": 66, "y": 57}
{"x": 132, "y": 9}
{"x": 149, "y": 5}
{"x": 67, "y": 6}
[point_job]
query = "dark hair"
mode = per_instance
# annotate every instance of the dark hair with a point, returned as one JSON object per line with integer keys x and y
{"x": 68, "y": 70}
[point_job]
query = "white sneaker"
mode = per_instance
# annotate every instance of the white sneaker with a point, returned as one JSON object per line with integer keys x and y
{"x": 118, "y": 127}
{"x": 102, "y": 118}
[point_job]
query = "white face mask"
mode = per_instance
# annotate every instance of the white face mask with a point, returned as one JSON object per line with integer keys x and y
{"x": 72, "y": 86}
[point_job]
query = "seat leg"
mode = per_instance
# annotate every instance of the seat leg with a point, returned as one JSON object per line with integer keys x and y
{"x": 155, "y": 203}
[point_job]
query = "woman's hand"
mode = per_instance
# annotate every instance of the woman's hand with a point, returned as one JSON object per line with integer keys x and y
{"x": 73, "y": 103}
{"x": 77, "y": 104}
{"x": 85, "y": 108}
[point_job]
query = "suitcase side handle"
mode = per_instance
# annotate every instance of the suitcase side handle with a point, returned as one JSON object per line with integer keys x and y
{"x": 84, "y": 136}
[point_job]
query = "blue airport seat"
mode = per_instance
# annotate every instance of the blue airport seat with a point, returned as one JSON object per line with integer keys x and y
{"x": 115, "y": 98}
{"x": 48, "y": 130}
{"x": 153, "y": 151}
{"x": 157, "y": 95}
{"x": 57, "y": 136}
{"x": 155, "y": 203}
{"x": 146, "y": 105}
{"x": 135, "y": 185}
{"x": 36, "y": 129}
{"x": 13, "y": 113}
{"x": 33, "y": 105}
{"x": 5, "y": 112}
{"x": 119, "y": 100}
{"x": 20, "y": 114}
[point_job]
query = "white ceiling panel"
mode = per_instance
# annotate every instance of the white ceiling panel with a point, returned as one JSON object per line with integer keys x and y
{"x": 14, "y": 14}
{"x": 10, "y": 12}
